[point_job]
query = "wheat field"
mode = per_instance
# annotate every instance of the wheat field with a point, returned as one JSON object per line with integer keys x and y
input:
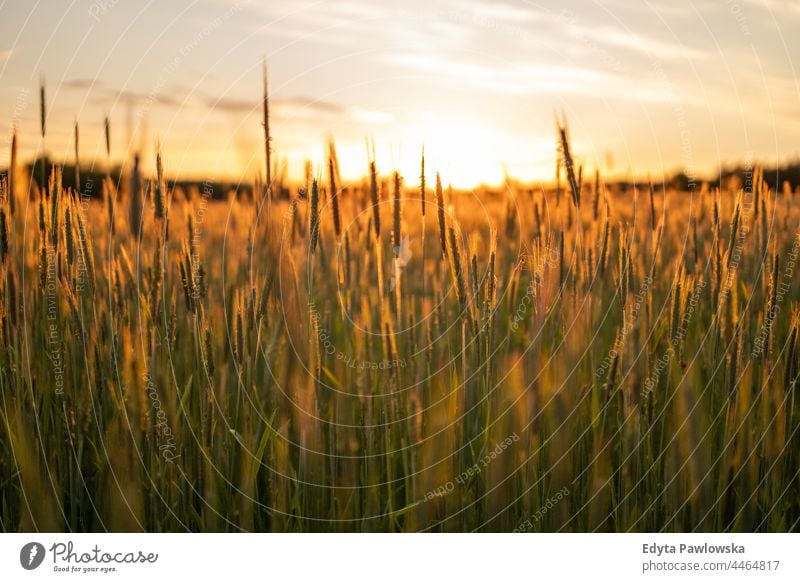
{"x": 381, "y": 356}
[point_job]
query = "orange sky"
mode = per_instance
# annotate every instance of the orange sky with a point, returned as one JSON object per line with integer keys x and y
{"x": 648, "y": 87}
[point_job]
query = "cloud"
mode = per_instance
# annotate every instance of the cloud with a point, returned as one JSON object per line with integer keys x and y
{"x": 503, "y": 11}
{"x": 6, "y": 54}
{"x": 524, "y": 79}
{"x": 638, "y": 43}
{"x": 778, "y": 7}
{"x": 339, "y": 23}
{"x": 82, "y": 84}
{"x": 292, "y": 107}
{"x": 234, "y": 105}
{"x": 485, "y": 77}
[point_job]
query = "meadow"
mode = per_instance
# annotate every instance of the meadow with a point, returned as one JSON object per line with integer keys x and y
{"x": 391, "y": 355}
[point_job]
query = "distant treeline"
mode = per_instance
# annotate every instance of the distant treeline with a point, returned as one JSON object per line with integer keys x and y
{"x": 92, "y": 179}
{"x": 774, "y": 177}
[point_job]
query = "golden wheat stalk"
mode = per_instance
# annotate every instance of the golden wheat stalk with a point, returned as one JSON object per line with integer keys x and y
{"x": 652, "y": 207}
{"x": 734, "y": 229}
{"x": 442, "y": 219}
{"x": 265, "y": 123}
{"x": 77, "y": 160}
{"x": 43, "y": 125}
{"x": 55, "y": 198}
{"x": 4, "y": 225}
{"x": 107, "y": 125}
{"x": 159, "y": 198}
{"x": 397, "y": 211}
{"x": 42, "y": 108}
{"x": 334, "y": 194}
{"x": 569, "y": 164}
{"x": 69, "y": 231}
{"x": 596, "y": 200}
{"x": 422, "y": 184}
{"x": 457, "y": 270}
{"x": 603, "y": 257}
{"x": 772, "y": 305}
{"x": 12, "y": 172}
{"x": 374, "y": 199}
{"x": 313, "y": 226}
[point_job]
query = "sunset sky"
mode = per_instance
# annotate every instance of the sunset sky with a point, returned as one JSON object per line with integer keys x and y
{"x": 647, "y": 86}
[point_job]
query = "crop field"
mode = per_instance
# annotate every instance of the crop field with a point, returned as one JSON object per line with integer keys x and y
{"x": 391, "y": 354}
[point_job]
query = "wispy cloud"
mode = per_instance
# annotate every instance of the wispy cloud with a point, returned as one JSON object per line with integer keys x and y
{"x": 286, "y": 108}
{"x": 637, "y": 43}
{"x": 645, "y": 45}
{"x": 777, "y": 7}
{"x": 505, "y": 11}
{"x": 83, "y": 84}
{"x": 530, "y": 79}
